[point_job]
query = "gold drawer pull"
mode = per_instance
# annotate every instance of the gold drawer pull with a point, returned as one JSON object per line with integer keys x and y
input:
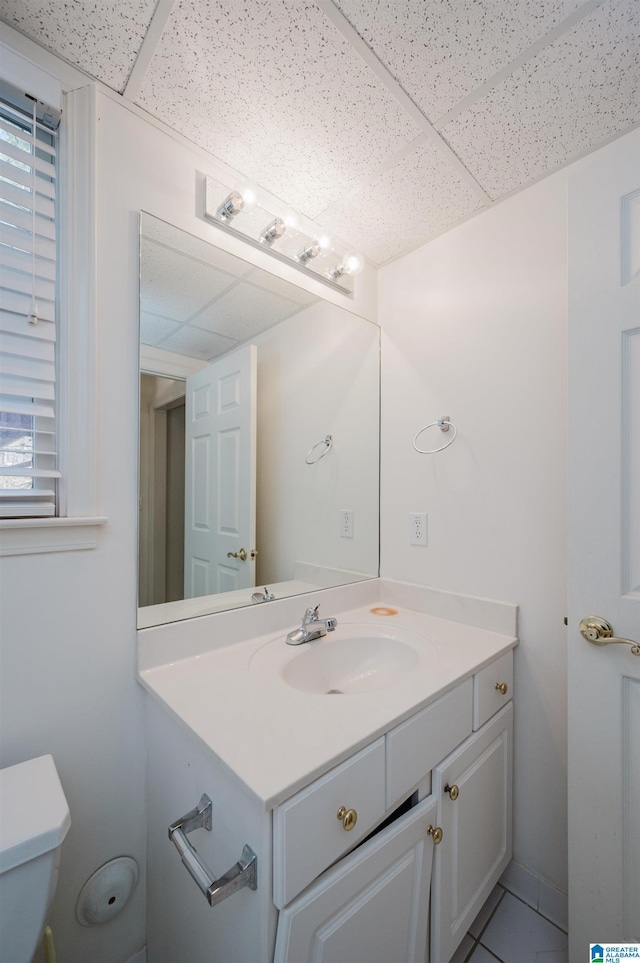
{"x": 436, "y": 832}
{"x": 502, "y": 687}
{"x": 349, "y": 818}
{"x": 453, "y": 791}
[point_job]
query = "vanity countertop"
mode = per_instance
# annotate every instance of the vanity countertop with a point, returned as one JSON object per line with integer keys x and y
{"x": 276, "y": 738}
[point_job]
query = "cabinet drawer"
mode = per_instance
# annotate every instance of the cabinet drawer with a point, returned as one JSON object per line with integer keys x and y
{"x": 308, "y": 836}
{"x": 487, "y": 699}
{"x": 417, "y": 745}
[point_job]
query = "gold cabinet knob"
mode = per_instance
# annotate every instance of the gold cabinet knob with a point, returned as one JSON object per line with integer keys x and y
{"x": 502, "y": 687}
{"x": 349, "y": 818}
{"x": 436, "y": 832}
{"x": 453, "y": 791}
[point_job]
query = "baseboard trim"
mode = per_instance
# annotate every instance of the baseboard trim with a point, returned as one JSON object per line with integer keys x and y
{"x": 538, "y": 893}
{"x": 139, "y": 957}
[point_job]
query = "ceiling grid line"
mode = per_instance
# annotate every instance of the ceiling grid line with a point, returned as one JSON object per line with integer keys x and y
{"x": 564, "y": 27}
{"x": 383, "y": 74}
{"x": 148, "y": 48}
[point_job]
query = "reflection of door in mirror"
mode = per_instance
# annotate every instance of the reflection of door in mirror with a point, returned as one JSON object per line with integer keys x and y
{"x": 220, "y": 475}
{"x": 162, "y": 473}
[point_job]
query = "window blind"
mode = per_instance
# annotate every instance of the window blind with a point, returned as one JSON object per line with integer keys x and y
{"x": 28, "y": 460}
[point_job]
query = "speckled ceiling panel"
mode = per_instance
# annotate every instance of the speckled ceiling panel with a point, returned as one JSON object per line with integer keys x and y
{"x": 272, "y": 88}
{"x": 440, "y": 50}
{"x": 577, "y": 93}
{"x": 418, "y": 198}
{"x": 102, "y": 37}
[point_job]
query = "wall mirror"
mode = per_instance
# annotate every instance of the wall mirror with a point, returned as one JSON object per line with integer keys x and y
{"x": 259, "y": 434}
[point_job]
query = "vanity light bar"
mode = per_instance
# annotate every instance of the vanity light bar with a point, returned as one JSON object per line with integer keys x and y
{"x": 242, "y": 201}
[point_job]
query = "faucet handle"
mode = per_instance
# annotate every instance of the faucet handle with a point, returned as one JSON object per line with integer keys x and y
{"x": 311, "y": 615}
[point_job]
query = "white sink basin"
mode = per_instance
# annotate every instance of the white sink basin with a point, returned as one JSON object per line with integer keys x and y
{"x": 358, "y": 657}
{"x": 346, "y": 665}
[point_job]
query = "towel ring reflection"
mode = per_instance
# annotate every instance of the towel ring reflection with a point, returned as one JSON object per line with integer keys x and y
{"x": 443, "y": 424}
{"x": 327, "y": 441}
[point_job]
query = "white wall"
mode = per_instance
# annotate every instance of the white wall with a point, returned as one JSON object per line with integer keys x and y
{"x": 475, "y": 326}
{"x": 68, "y": 661}
{"x": 318, "y": 374}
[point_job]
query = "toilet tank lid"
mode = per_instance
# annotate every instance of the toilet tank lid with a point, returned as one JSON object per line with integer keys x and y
{"x": 34, "y": 815}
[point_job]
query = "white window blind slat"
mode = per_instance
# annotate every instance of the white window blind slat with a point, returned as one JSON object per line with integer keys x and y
{"x": 11, "y": 172}
{"x": 42, "y": 507}
{"x": 11, "y": 471}
{"x": 15, "y": 406}
{"x": 23, "y": 284}
{"x": 12, "y": 303}
{"x": 14, "y": 344}
{"x": 12, "y": 322}
{"x": 26, "y": 367}
{"x": 21, "y": 197}
{"x": 12, "y": 124}
{"x": 22, "y": 261}
{"x": 26, "y": 388}
{"x": 20, "y": 234}
{"x": 12, "y": 216}
{"x": 17, "y": 153}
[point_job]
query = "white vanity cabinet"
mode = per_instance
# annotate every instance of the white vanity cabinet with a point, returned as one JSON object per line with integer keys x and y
{"x": 351, "y": 868}
{"x": 473, "y": 791}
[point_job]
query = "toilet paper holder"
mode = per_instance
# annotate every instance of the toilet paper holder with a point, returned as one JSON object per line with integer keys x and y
{"x": 243, "y": 873}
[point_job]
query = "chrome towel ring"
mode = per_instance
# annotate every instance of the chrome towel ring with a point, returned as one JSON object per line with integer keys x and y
{"x": 444, "y": 425}
{"x": 327, "y": 441}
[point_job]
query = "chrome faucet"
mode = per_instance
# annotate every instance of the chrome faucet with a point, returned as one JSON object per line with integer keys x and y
{"x": 312, "y": 628}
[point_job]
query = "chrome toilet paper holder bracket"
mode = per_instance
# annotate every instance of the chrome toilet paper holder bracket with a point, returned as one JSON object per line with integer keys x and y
{"x": 243, "y": 873}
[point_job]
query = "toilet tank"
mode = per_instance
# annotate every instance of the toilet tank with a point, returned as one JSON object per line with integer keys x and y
{"x": 34, "y": 819}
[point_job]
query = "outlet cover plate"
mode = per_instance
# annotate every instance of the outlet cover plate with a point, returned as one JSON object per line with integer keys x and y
{"x": 417, "y": 528}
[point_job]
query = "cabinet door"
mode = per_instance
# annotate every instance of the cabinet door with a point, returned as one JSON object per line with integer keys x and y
{"x": 372, "y": 906}
{"x": 476, "y": 826}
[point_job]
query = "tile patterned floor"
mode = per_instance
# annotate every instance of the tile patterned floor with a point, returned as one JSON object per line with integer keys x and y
{"x": 508, "y": 930}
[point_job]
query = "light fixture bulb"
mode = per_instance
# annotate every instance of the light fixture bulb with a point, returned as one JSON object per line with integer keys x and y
{"x": 273, "y": 231}
{"x": 292, "y": 220}
{"x": 311, "y": 251}
{"x": 325, "y": 242}
{"x": 352, "y": 263}
{"x": 231, "y": 206}
{"x": 249, "y": 193}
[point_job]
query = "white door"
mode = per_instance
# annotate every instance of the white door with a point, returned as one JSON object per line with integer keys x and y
{"x": 604, "y": 547}
{"x": 220, "y": 475}
{"x": 372, "y": 907}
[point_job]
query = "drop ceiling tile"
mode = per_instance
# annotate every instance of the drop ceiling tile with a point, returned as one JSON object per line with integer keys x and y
{"x": 154, "y": 329}
{"x": 440, "y": 51}
{"x": 175, "y": 285}
{"x": 273, "y": 88}
{"x": 179, "y": 240}
{"x": 245, "y": 311}
{"x": 271, "y": 282}
{"x": 580, "y": 91}
{"x": 196, "y": 343}
{"x": 102, "y": 37}
{"x": 418, "y": 198}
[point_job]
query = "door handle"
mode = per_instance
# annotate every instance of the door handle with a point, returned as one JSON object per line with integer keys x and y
{"x": 242, "y": 555}
{"x": 599, "y": 632}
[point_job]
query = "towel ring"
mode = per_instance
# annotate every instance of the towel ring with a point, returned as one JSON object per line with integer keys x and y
{"x": 443, "y": 424}
{"x": 328, "y": 441}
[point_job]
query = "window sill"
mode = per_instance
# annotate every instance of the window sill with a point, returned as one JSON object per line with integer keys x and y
{"x": 36, "y": 536}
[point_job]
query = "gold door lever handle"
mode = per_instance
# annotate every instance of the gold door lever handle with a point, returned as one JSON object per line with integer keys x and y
{"x": 242, "y": 555}
{"x": 599, "y": 632}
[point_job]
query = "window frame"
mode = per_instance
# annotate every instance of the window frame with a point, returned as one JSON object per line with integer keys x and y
{"x": 78, "y": 522}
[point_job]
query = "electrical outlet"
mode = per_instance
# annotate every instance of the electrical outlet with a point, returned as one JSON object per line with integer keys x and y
{"x": 417, "y": 528}
{"x": 346, "y": 523}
